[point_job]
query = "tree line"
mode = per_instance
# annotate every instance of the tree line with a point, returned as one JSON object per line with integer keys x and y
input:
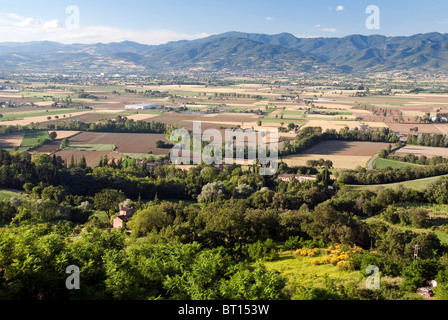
{"x": 120, "y": 124}
{"x": 428, "y": 140}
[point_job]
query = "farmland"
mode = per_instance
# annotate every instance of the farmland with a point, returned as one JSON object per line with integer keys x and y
{"x": 34, "y": 138}
{"x": 174, "y": 206}
{"x": 245, "y": 105}
{"x": 343, "y": 154}
{"x": 386, "y": 163}
{"x": 422, "y": 151}
{"x": 125, "y": 142}
{"x": 11, "y": 140}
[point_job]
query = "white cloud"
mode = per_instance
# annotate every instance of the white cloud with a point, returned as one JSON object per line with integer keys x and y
{"x": 26, "y": 22}
{"x": 22, "y": 29}
{"x": 53, "y": 31}
{"x": 51, "y": 24}
{"x": 269, "y": 18}
{"x": 317, "y": 26}
{"x": 340, "y": 8}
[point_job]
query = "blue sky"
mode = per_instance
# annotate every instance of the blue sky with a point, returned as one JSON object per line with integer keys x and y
{"x": 156, "y": 21}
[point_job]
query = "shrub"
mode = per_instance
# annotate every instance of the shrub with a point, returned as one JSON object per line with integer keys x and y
{"x": 315, "y": 262}
{"x": 262, "y": 250}
{"x": 344, "y": 265}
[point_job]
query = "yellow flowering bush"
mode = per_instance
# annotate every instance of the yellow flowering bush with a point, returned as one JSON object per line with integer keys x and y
{"x": 304, "y": 252}
{"x": 339, "y": 255}
{"x": 343, "y": 265}
{"x": 315, "y": 262}
{"x": 325, "y": 260}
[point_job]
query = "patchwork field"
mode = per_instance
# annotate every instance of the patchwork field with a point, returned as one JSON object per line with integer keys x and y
{"x": 125, "y": 142}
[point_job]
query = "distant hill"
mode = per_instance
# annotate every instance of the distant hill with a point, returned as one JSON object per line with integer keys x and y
{"x": 236, "y": 52}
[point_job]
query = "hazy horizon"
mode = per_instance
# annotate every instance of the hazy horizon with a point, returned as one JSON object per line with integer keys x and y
{"x": 211, "y": 35}
{"x": 158, "y": 22}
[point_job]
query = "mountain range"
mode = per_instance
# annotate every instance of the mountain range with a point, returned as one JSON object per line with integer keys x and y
{"x": 236, "y": 52}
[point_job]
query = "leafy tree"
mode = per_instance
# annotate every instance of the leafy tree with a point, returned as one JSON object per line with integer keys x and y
{"x": 329, "y": 225}
{"x": 108, "y": 200}
{"x": 149, "y": 219}
{"x": 53, "y": 135}
{"x": 211, "y": 192}
{"x": 65, "y": 143}
{"x": 418, "y": 272}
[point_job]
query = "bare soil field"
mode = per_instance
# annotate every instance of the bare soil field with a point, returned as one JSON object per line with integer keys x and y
{"x": 422, "y": 127}
{"x": 11, "y": 140}
{"x": 347, "y": 148}
{"x": 420, "y": 151}
{"x": 186, "y": 120}
{"x": 443, "y": 128}
{"x": 141, "y": 116}
{"x": 48, "y": 148}
{"x": 62, "y": 134}
{"x": 126, "y": 142}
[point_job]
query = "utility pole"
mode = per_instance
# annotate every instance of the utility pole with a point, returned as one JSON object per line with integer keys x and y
{"x": 416, "y": 247}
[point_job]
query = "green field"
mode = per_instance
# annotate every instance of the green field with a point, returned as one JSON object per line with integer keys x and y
{"x": 385, "y": 163}
{"x": 18, "y": 116}
{"x": 34, "y": 138}
{"x": 19, "y": 149}
{"x": 419, "y": 184}
{"x": 6, "y": 195}
{"x": 91, "y": 147}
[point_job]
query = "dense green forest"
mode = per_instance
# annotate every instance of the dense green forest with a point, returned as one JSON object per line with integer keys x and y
{"x": 212, "y": 242}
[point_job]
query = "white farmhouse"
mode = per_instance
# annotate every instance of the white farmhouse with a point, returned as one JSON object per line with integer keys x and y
{"x": 141, "y": 106}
